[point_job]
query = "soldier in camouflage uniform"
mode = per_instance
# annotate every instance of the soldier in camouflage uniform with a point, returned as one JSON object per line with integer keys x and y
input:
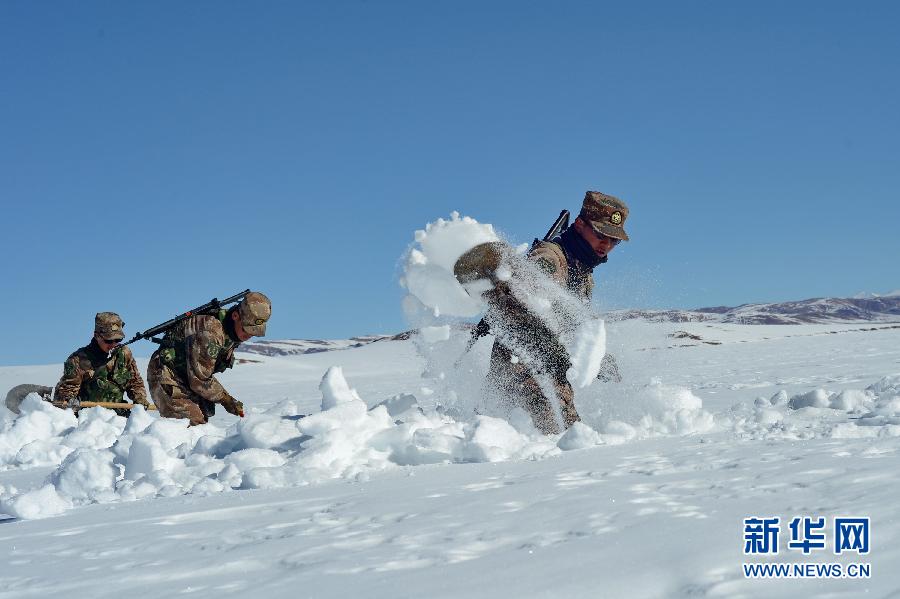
{"x": 569, "y": 260}
{"x": 102, "y": 370}
{"x": 181, "y": 372}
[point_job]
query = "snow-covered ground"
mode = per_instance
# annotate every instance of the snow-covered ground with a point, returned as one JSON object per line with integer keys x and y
{"x": 648, "y": 499}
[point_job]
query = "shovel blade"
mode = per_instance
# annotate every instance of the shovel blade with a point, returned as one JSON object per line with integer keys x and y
{"x": 17, "y": 394}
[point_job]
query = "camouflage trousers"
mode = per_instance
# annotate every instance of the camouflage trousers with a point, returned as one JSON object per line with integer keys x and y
{"x": 518, "y": 386}
{"x": 173, "y": 397}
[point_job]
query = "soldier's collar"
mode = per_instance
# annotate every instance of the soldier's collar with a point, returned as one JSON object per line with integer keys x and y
{"x": 230, "y": 333}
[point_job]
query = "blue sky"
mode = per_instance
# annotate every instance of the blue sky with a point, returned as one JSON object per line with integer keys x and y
{"x": 154, "y": 155}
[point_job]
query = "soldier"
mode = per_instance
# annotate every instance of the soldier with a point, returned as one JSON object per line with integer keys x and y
{"x": 181, "y": 372}
{"x": 102, "y": 370}
{"x": 569, "y": 260}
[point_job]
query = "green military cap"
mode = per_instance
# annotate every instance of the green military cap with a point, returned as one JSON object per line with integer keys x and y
{"x": 109, "y": 325}
{"x": 254, "y": 311}
{"x": 605, "y": 213}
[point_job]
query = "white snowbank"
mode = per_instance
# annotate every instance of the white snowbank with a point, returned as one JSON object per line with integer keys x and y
{"x": 850, "y": 413}
{"x": 152, "y": 457}
{"x": 43, "y": 435}
{"x": 163, "y": 457}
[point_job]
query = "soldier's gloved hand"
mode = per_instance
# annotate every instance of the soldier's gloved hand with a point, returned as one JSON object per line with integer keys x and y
{"x": 74, "y": 403}
{"x": 233, "y": 406}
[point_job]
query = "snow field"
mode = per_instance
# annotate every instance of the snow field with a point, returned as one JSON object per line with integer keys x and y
{"x": 105, "y": 458}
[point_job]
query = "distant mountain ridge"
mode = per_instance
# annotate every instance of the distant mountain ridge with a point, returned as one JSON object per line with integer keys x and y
{"x": 296, "y": 347}
{"x": 810, "y": 311}
{"x": 884, "y": 308}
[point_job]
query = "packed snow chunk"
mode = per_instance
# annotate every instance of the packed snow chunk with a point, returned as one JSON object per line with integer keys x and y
{"x": 586, "y": 351}
{"x": 173, "y": 433}
{"x": 817, "y": 398}
{"x": 335, "y": 389}
{"x": 39, "y": 503}
{"x": 398, "y": 405}
{"x": 266, "y": 432}
{"x": 43, "y": 452}
{"x": 851, "y": 400}
{"x": 138, "y": 421}
{"x": 492, "y": 440}
{"x": 87, "y": 475}
{"x": 579, "y": 436}
{"x": 247, "y": 459}
{"x": 97, "y": 427}
{"x": 670, "y": 410}
{"x": 429, "y": 267}
{"x": 341, "y": 440}
{"x": 426, "y": 445}
{"x": 780, "y": 398}
{"x": 38, "y": 421}
{"x": 435, "y": 334}
{"x": 889, "y": 385}
{"x": 147, "y": 456}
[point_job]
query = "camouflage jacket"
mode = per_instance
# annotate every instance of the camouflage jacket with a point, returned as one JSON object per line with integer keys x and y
{"x": 566, "y": 271}
{"x": 91, "y": 375}
{"x": 521, "y": 327}
{"x": 194, "y": 351}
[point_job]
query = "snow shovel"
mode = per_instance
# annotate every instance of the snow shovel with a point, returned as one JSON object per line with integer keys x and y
{"x": 17, "y": 394}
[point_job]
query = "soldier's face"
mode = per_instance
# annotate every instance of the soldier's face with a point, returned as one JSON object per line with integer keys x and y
{"x": 242, "y": 334}
{"x": 601, "y": 244}
{"x": 107, "y": 347}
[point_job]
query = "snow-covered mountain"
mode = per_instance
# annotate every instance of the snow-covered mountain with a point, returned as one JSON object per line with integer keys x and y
{"x": 298, "y": 347}
{"x": 816, "y": 310}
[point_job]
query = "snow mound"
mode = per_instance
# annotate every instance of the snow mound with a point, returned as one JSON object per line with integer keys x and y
{"x": 851, "y": 413}
{"x": 648, "y": 410}
{"x": 43, "y": 435}
{"x": 153, "y": 457}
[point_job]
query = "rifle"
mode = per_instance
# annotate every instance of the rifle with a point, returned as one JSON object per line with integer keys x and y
{"x": 559, "y": 225}
{"x": 211, "y": 307}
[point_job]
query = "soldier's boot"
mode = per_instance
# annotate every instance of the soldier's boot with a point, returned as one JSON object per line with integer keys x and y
{"x": 567, "y": 403}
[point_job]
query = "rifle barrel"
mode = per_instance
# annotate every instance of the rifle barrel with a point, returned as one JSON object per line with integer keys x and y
{"x": 213, "y": 304}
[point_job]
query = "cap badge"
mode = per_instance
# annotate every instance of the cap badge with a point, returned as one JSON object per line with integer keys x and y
{"x": 616, "y": 218}
{"x": 260, "y": 321}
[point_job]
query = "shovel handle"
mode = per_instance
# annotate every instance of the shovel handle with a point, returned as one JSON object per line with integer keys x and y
{"x": 103, "y": 404}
